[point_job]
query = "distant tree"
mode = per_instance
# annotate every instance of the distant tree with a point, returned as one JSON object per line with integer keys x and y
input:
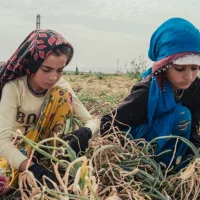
{"x": 77, "y": 71}
{"x": 138, "y": 66}
{"x": 65, "y": 72}
{"x": 99, "y": 75}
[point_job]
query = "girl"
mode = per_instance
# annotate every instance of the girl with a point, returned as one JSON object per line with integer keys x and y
{"x": 35, "y": 100}
{"x": 167, "y": 101}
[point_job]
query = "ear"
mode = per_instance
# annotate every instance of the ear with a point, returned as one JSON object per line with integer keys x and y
{"x": 32, "y": 75}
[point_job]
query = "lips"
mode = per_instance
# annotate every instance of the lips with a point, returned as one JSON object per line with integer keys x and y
{"x": 50, "y": 84}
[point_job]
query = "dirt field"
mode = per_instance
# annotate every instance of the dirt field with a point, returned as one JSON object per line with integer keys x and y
{"x": 95, "y": 91}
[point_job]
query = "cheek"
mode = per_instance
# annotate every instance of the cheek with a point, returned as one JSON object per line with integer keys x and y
{"x": 173, "y": 79}
{"x": 171, "y": 76}
{"x": 195, "y": 74}
{"x": 39, "y": 76}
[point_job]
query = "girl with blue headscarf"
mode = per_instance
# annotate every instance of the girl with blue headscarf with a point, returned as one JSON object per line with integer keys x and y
{"x": 167, "y": 101}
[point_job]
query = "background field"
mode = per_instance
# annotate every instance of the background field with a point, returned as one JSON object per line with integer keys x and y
{"x": 99, "y": 93}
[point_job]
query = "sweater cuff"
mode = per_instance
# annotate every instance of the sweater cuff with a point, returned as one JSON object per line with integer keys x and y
{"x": 14, "y": 157}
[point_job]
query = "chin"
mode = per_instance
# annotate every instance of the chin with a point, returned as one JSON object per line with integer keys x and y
{"x": 184, "y": 87}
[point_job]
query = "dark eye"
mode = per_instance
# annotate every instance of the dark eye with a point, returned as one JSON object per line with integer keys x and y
{"x": 194, "y": 68}
{"x": 179, "y": 70}
{"x": 46, "y": 70}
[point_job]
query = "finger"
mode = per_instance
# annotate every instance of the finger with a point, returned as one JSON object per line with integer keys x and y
{"x": 67, "y": 137}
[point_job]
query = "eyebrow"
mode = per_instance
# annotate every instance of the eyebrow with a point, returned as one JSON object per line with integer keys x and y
{"x": 183, "y": 66}
{"x": 51, "y": 67}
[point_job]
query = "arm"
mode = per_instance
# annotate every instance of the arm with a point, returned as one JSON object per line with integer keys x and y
{"x": 195, "y": 135}
{"x": 78, "y": 139}
{"x": 132, "y": 111}
{"x": 195, "y": 127}
{"x": 8, "y": 110}
{"x": 191, "y": 99}
{"x": 82, "y": 114}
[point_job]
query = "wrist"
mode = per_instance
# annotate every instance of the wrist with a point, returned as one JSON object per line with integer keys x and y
{"x": 89, "y": 132}
{"x": 23, "y": 165}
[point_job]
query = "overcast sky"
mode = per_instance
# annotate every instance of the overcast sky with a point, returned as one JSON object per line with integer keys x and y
{"x": 101, "y": 31}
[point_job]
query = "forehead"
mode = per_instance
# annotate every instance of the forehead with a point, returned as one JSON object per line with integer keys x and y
{"x": 55, "y": 61}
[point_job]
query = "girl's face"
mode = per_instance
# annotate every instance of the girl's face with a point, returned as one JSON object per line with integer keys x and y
{"x": 181, "y": 76}
{"x": 48, "y": 73}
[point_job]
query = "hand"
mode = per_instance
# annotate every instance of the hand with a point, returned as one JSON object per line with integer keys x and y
{"x": 78, "y": 140}
{"x": 105, "y": 125}
{"x": 39, "y": 171}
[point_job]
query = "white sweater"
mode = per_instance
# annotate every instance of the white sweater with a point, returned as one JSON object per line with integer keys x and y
{"x": 19, "y": 109}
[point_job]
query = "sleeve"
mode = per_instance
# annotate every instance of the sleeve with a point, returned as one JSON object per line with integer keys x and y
{"x": 195, "y": 135}
{"x": 132, "y": 111}
{"x": 81, "y": 113}
{"x": 195, "y": 127}
{"x": 191, "y": 99}
{"x": 8, "y": 110}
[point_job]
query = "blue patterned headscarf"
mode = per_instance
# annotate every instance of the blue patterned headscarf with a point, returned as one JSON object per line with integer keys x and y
{"x": 174, "y": 36}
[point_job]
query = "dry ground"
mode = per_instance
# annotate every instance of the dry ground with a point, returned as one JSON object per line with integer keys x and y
{"x": 94, "y": 91}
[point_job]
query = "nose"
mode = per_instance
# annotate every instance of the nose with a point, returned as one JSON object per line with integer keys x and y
{"x": 188, "y": 76}
{"x": 53, "y": 77}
